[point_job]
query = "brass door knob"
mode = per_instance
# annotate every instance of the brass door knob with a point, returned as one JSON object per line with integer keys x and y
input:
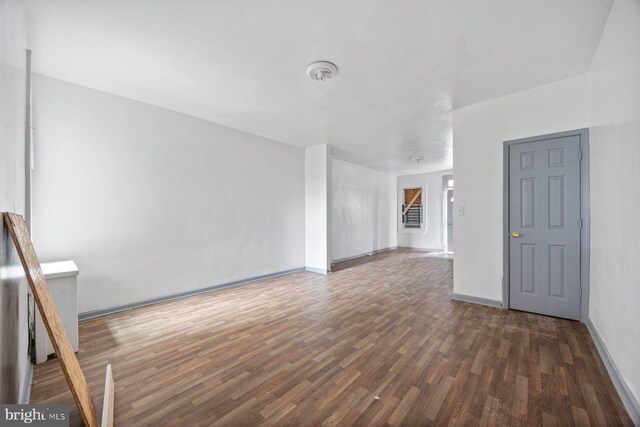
{"x": 515, "y": 234}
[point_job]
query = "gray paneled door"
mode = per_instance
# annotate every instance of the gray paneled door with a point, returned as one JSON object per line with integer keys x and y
{"x": 545, "y": 221}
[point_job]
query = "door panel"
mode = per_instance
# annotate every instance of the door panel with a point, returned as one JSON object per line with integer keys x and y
{"x": 556, "y": 202}
{"x": 528, "y": 268}
{"x": 556, "y": 270}
{"x": 544, "y": 208}
{"x": 527, "y": 202}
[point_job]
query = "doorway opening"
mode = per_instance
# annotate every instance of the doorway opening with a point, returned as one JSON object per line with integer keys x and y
{"x": 447, "y": 187}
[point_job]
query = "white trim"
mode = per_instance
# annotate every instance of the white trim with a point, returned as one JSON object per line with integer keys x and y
{"x": 55, "y": 270}
{"x": 444, "y": 238}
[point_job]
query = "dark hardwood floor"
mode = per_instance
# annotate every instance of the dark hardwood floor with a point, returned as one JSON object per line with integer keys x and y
{"x": 379, "y": 342}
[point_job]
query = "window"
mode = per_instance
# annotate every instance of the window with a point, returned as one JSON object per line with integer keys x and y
{"x": 412, "y": 208}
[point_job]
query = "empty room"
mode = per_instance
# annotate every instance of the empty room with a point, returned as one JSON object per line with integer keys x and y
{"x": 302, "y": 213}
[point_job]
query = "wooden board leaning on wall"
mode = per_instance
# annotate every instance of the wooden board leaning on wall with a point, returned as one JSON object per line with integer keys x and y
{"x": 67, "y": 358}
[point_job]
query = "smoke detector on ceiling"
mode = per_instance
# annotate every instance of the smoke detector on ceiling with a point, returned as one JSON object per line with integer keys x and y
{"x": 418, "y": 160}
{"x": 322, "y": 70}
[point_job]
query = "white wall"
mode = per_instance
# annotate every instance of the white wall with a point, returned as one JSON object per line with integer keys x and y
{"x": 615, "y": 198}
{"x": 318, "y": 208}
{"x": 14, "y": 359}
{"x": 364, "y": 210}
{"x": 607, "y": 100}
{"x": 150, "y": 202}
{"x": 478, "y": 134}
{"x": 432, "y": 234}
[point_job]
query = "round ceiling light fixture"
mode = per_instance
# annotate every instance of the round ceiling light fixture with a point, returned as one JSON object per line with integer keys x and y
{"x": 418, "y": 160}
{"x": 322, "y": 70}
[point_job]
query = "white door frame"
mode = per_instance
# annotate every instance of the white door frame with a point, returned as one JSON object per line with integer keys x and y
{"x": 445, "y": 211}
{"x": 585, "y": 232}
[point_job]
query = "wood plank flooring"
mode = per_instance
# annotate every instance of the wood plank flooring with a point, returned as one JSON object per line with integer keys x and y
{"x": 378, "y": 342}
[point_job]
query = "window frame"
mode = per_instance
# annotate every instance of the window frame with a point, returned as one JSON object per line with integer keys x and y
{"x": 423, "y": 221}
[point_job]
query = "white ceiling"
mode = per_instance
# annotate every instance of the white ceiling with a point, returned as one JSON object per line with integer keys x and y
{"x": 403, "y": 64}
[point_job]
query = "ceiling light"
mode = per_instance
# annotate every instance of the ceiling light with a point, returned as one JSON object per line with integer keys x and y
{"x": 418, "y": 160}
{"x": 322, "y": 70}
